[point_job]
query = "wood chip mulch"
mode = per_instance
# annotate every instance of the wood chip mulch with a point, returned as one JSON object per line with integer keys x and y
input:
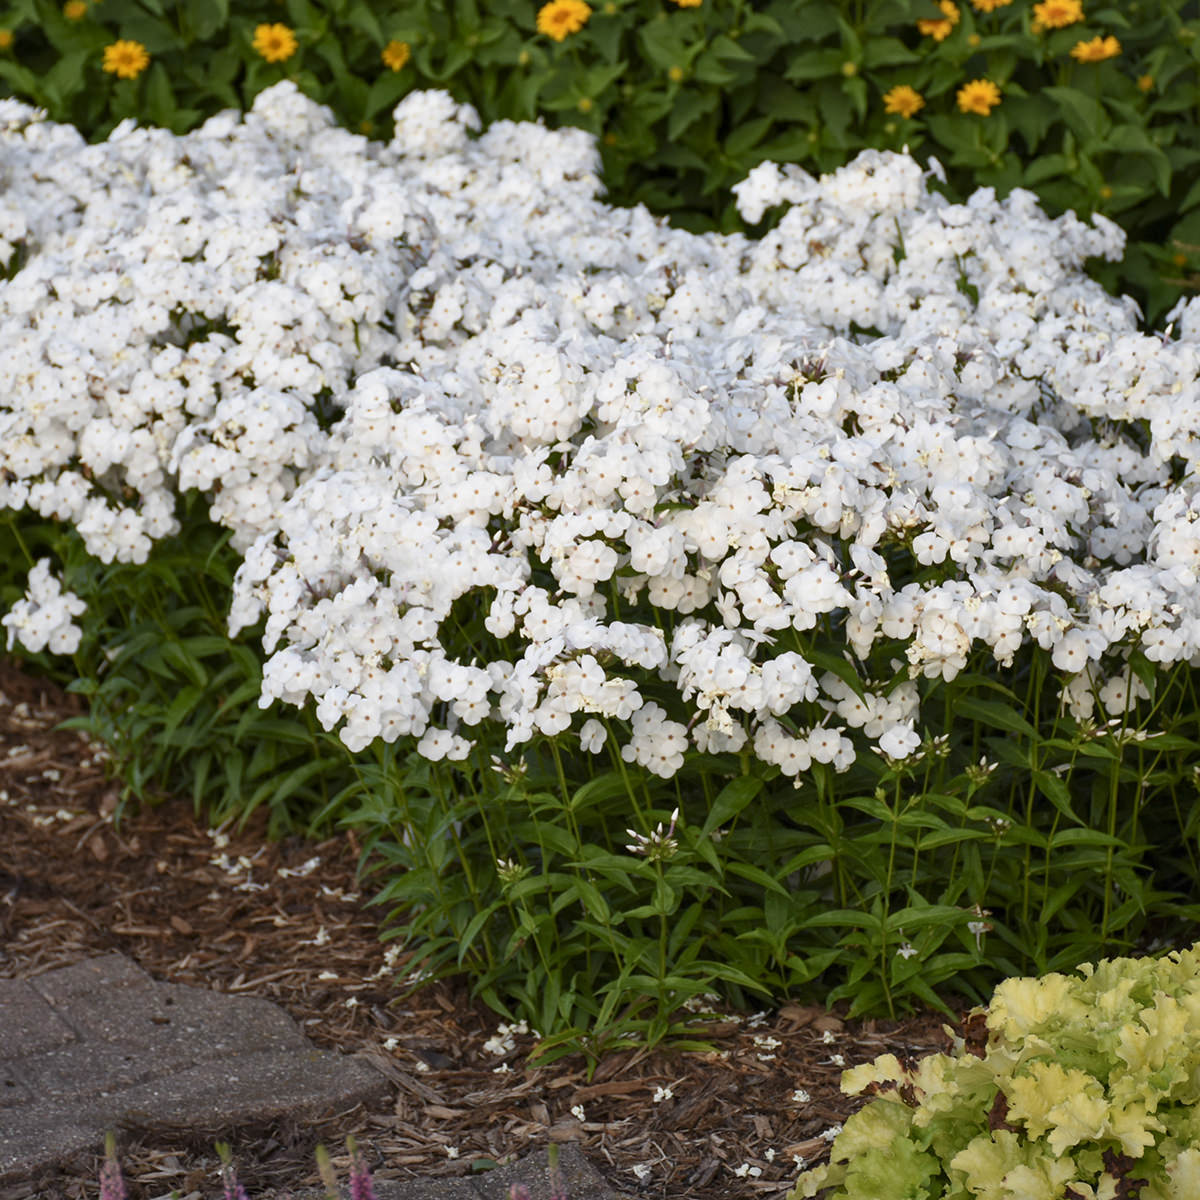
{"x": 158, "y": 890}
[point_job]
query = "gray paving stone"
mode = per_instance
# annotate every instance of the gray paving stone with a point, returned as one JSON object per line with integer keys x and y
{"x": 87, "y": 1047}
{"x": 306, "y": 1084}
{"x": 30, "y": 1025}
{"x": 581, "y": 1180}
{"x": 90, "y": 975}
{"x": 13, "y": 1089}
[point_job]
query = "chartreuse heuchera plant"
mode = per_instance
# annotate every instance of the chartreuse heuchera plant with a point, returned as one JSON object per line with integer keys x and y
{"x": 670, "y": 614}
{"x": 1063, "y": 1088}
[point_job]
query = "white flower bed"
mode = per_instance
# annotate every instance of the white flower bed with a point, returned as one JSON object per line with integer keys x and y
{"x": 527, "y": 379}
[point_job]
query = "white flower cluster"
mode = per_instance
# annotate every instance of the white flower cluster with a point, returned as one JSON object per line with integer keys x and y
{"x": 43, "y": 618}
{"x": 440, "y": 369}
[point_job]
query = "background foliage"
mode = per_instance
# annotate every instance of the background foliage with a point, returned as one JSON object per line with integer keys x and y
{"x": 687, "y": 99}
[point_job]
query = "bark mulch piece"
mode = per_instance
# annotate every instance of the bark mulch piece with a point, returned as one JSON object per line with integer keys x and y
{"x": 212, "y": 909}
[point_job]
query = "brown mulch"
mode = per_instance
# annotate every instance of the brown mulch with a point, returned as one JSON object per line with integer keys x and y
{"x": 72, "y": 886}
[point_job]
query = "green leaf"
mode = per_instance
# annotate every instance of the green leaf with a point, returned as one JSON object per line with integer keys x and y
{"x": 1046, "y": 167}
{"x": 1134, "y": 141}
{"x": 65, "y": 78}
{"x": 1083, "y": 114}
{"x": 815, "y": 64}
{"x": 710, "y": 69}
{"x": 725, "y": 47}
{"x": 756, "y": 875}
{"x": 730, "y": 801}
{"x": 386, "y": 91}
{"x": 846, "y": 916}
{"x": 887, "y": 52}
{"x": 835, "y": 663}
{"x": 1056, "y": 792}
{"x": 362, "y": 17}
{"x": 920, "y": 916}
{"x": 159, "y": 100}
{"x": 663, "y": 46}
{"x": 689, "y": 107}
{"x": 749, "y": 135}
{"x": 994, "y": 714}
{"x": 206, "y": 17}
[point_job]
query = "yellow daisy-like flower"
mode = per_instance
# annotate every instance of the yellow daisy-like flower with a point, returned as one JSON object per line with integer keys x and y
{"x": 75, "y": 10}
{"x": 275, "y": 42}
{"x": 979, "y": 96}
{"x": 561, "y": 17}
{"x": 940, "y": 29}
{"x": 990, "y": 5}
{"x": 126, "y": 60}
{"x": 396, "y": 54}
{"x": 903, "y": 99}
{"x": 689, "y": 3}
{"x": 1145, "y": 82}
{"x": 6, "y": 39}
{"x": 1056, "y": 14}
{"x": 1097, "y": 50}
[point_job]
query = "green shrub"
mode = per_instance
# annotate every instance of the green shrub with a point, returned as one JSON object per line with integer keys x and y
{"x": 1089, "y": 107}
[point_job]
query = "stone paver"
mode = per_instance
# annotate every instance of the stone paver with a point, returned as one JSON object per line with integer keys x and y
{"x": 86, "y": 1047}
{"x": 579, "y": 1178}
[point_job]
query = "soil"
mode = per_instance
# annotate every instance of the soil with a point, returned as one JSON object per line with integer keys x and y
{"x": 154, "y": 887}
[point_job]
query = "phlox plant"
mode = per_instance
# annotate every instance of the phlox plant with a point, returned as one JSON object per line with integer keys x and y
{"x": 1086, "y": 104}
{"x": 695, "y": 615}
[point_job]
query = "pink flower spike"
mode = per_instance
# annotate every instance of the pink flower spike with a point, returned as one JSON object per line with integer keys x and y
{"x": 112, "y": 1185}
{"x": 229, "y": 1179}
{"x": 233, "y": 1189}
{"x": 360, "y": 1177}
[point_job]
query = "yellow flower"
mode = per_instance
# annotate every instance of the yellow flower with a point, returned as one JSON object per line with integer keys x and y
{"x": 396, "y": 54}
{"x": 274, "y": 42}
{"x": 75, "y": 10}
{"x": 560, "y": 17}
{"x": 6, "y": 39}
{"x": 990, "y": 5}
{"x": 903, "y": 99}
{"x": 1145, "y": 82}
{"x": 979, "y": 96}
{"x": 689, "y": 3}
{"x": 939, "y": 30}
{"x": 675, "y": 74}
{"x": 126, "y": 60}
{"x": 1096, "y": 50}
{"x": 1056, "y": 14}
{"x": 585, "y": 104}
